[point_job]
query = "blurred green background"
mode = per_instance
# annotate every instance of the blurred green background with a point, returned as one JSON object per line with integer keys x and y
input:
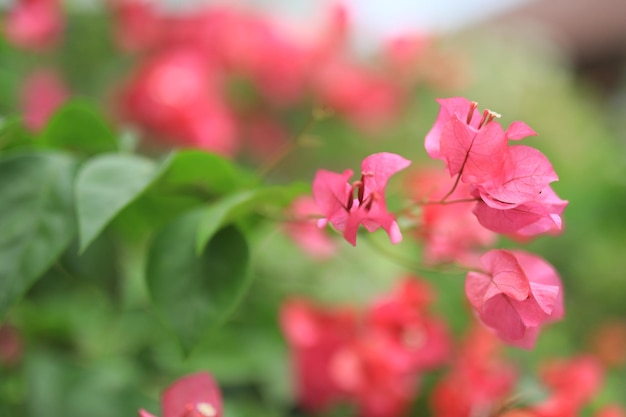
{"x": 93, "y": 345}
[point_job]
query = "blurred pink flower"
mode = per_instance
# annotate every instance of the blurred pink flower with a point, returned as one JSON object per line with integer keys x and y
{"x": 175, "y": 94}
{"x": 368, "y": 99}
{"x": 479, "y": 380}
{"x": 11, "y": 345}
{"x": 304, "y": 231}
{"x": 42, "y": 93}
{"x": 572, "y": 382}
{"x": 314, "y": 336}
{"x": 195, "y": 395}
{"x": 34, "y": 24}
{"x": 450, "y": 232}
{"x": 414, "y": 340}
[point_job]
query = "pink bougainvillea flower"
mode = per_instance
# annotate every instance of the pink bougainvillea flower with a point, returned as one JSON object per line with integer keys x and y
{"x": 304, "y": 231}
{"x": 511, "y": 183}
{"x": 34, "y": 24}
{"x": 314, "y": 336}
{"x": 517, "y": 293}
{"x": 195, "y": 395}
{"x": 450, "y": 232}
{"x": 414, "y": 340}
{"x": 334, "y": 197}
{"x": 42, "y": 93}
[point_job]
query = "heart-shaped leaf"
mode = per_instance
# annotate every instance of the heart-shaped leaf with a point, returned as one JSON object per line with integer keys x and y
{"x": 195, "y": 293}
{"x": 77, "y": 126}
{"x": 36, "y": 219}
{"x": 104, "y": 186}
{"x": 234, "y": 206}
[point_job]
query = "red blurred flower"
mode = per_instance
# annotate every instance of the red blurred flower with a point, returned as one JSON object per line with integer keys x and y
{"x": 195, "y": 395}
{"x": 42, "y": 93}
{"x": 413, "y": 340}
{"x": 175, "y": 95}
{"x": 366, "y": 372}
{"x": 11, "y": 345}
{"x": 373, "y": 361}
{"x": 479, "y": 381}
{"x": 450, "y": 232}
{"x": 304, "y": 231}
{"x": 315, "y": 335}
{"x": 368, "y": 99}
{"x": 34, "y": 24}
{"x": 611, "y": 411}
{"x": 138, "y": 23}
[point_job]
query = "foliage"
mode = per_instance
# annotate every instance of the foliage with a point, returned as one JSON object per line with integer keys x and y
{"x": 163, "y": 178}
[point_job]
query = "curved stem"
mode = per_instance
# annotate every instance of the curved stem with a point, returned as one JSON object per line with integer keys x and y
{"x": 286, "y": 149}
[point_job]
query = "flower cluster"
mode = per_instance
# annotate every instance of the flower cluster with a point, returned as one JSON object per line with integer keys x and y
{"x": 511, "y": 183}
{"x": 336, "y": 201}
{"x": 219, "y": 75}
{"x": 371, "y": 359}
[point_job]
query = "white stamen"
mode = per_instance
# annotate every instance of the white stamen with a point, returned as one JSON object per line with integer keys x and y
{"x": 206, "y": 409}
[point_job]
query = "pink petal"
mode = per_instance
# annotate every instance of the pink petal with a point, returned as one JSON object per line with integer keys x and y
{"x": 507, "y": 275}
{"x": 379, "y": 167}
{"x": 331, "y": 191}
{"x": 545, "y": 296}
{"x": 519, "y": 130}
{"x": 499, "y": 314}
{"x": 480, "y": 154}
{"x": 526, "y": 173}
{"x": 539, "y": 271}
{"x": 459, "y": 106}
{"x": 476, "y": 285}
{"x": 197, "y": 390}
{"x": 144, "y": 413}
{"x": 542, "y": 215}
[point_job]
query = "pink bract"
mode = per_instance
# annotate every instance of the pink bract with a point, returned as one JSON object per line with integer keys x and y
{"x": 334, "y": 197}
{"x": 517, "y": 294}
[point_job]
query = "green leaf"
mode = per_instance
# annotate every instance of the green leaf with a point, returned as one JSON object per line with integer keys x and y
{"x": 196, "y": 293}
{"x": 36, "y": 219}
{"x": 234, "y": 206}
{"x": 205, "y": 172}
{"x": 77, "y": 126}
{"x": 104, "y": 186}
{"x": 13, "y": 134}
